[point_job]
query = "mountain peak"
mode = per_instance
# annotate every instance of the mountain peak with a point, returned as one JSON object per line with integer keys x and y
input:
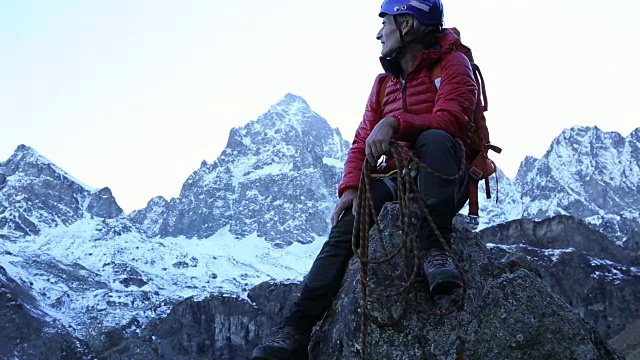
{"x": 526, "y": 166}
{"x": 22, "y": 148}
{"x": 580, "y": 132}
{"x": 290, "y": 104}
{"x": 588, "y": 133}
{"x": 26, "y": 160}
{"x": 586, "y": 140}
{"x": 285, "y": 121}
{"x": 26, "y": 153}
{"x": 289, "y": 99}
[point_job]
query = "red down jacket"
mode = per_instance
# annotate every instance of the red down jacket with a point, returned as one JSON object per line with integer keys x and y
{"x": 419, "y": 105}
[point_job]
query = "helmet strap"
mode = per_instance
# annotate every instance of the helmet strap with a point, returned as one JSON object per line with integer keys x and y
{"x": 403, "y": 45}
{"x": 398, "y": 27}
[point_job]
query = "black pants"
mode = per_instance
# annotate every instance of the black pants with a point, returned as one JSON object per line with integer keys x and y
{"x": 444, "y": 198}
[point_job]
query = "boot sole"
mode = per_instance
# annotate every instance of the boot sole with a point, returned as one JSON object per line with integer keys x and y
{"x": 445, "y": 286}
{"x": 296, "y": 356}
{"x": 447, "y": 281}
{"x": 271, "y": 358}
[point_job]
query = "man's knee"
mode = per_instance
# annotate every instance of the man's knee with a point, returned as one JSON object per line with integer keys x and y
{"x": 437, "y": 147}
{"x": 432, "y": 137}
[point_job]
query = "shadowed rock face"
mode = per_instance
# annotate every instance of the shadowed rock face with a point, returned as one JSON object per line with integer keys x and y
{"x": 102, "y": 204}
{"x": 558, "y": 232}
{"x": 596, "y": 277}
{"x": 217, "y": 327}
{"x": 509, "y": 313}
{"x": 26, "y": 334}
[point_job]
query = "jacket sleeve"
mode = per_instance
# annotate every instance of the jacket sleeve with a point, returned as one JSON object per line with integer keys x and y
{"x": 454, "y": 103}
{"x": 356, "y": 154}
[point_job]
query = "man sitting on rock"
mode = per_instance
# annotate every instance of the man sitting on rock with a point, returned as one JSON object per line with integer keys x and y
{"x": 427, "y": 115}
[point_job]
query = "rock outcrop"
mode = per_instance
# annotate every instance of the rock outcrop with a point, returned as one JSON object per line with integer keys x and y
{"x": 596, "y": 277}
{"x": 509, "y": 313}
{"x": 218, "y": 327}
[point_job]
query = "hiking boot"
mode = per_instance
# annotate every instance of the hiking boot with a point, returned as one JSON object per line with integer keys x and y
{"x": 289, "y": 343}
{"x": 441, "y": 272}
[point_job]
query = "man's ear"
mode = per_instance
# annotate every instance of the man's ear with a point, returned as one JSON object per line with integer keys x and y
{"x": 407, "y": 26}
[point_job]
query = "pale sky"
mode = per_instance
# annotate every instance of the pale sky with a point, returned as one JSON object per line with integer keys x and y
{"x": 134, "y": 94}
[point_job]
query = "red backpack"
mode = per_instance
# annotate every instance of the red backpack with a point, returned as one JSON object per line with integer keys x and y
{"x": 479, "y": 144}
{"x": 477, "y": 139}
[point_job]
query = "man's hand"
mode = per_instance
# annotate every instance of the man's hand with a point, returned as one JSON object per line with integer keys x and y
{"x": 347, "y": 200}
{"x": 377, "y": 143}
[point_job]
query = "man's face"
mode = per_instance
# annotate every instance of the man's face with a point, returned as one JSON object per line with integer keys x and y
{"x": 388, "y": 36}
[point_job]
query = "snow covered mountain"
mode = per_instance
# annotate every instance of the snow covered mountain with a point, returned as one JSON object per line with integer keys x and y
{"x": 258, "y": 212}
{"x": 276, "y": 179}
{"x": 38, "y": 195}
{"x": 586, "y": 173}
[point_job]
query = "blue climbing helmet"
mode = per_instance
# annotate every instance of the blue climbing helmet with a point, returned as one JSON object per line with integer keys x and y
{"x": 428, "y": 12}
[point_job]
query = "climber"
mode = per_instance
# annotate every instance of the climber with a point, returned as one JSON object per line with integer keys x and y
{"x": 427, "y": 115}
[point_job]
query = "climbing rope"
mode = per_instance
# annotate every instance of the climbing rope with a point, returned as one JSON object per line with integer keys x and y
{"x": 365, "y": 214}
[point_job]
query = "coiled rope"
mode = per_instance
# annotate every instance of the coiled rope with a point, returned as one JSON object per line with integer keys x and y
{"x": 365, "y": 213}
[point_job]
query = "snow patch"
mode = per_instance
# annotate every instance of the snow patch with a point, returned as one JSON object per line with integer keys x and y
{"x": 333, "y": 162}
{"x": 554, "y": 254}
{"x": 269, "y": 170}
{"x": 71, "y": 270}
{"x": 612, "y": 271}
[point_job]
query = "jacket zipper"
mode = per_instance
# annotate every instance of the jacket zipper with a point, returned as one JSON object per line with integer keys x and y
{"x": 405, "y": 107}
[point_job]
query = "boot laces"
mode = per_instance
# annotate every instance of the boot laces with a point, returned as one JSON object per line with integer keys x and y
{"x": 285, "y": 337}
{"x": 438, "y": 259}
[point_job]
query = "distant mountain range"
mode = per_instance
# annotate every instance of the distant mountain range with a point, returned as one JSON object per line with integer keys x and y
{"x": 260, "y": 212}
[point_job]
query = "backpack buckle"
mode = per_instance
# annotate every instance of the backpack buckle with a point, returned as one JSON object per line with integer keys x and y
{"x": 473, "y": 221}
{"x": 471, "y": 127}
{"x": 476, "y": 173}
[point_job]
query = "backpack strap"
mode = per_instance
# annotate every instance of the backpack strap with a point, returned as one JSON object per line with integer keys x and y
{"x": 482, "y": 91}
{"x": 481, "y": 167}
{"x": 476, "y": 170}
{"x": 472, "y": 216}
